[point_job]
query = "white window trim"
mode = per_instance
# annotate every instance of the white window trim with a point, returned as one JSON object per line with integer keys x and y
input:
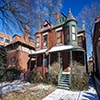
{"x": 73, "y": 29}
{"x": 45, "y": 33}
{"x": 59, "y": 29}
{"x": 73, "y": 36}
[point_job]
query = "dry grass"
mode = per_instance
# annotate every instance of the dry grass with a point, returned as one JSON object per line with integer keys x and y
{"x": 29, "y": 94}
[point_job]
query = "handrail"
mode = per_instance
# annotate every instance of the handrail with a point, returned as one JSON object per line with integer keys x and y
{"x": 59, "y": 75}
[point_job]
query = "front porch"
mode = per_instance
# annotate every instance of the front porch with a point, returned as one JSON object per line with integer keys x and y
{"x": 65, "y": 63}
{"x": 61, "y": 63}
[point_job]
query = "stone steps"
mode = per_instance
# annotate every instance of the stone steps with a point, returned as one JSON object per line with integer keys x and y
{"x": 64, "y": 82}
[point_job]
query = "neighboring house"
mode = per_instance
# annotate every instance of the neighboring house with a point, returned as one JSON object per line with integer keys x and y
{"x": 96, "y": 54}
{"x": 18, "y": 48}
{"x": 90, "y": 65}
{"x": 5, "y": 39}
{"x": 60, "y": 48}
{"x": 96, "y": 46}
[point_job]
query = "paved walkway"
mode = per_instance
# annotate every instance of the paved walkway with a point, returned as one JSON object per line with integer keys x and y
{"x": 60, "y": 94}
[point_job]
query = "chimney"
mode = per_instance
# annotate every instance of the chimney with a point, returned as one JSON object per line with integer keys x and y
{"x": 83, "y": 25}
{"x": 56, "y": 16}
{"x": 97, "y": 19}
{"x": 27, "y": 29}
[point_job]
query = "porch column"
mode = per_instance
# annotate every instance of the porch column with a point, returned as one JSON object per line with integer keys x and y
{"x": 59, "y": 60}
{"x": 36, "y": 60}
{"x": 29, "y": 64}
{"x": 49, "y": 64}
{"x": 43, "y": 70}
{"x": 43, "y": 60}
{"x": 84, "y": 61}
{"x": 71, "y": 59}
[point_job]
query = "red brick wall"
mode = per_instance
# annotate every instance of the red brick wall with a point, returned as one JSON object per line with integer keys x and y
{"x": 18, "y": 59}
{"x": 22, "y": 60}
{"x": 12, "y": 58}
{"x": 96, "y": 34}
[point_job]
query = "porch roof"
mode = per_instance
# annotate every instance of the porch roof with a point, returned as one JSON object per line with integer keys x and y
{"x": 61, "y": 48}
{"x": 39, "y": 51}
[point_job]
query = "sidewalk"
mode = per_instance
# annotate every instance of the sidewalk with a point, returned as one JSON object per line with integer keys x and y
{"x": 60, "y": 94}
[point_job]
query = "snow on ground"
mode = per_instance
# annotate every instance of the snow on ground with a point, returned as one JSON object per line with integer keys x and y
{"x": 17, "y": 85}
{"x": 60, "y": 94}
{"x": 20, "y": 86}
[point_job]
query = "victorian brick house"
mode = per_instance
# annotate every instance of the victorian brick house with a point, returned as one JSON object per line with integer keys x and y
{"x": 96, "y": 54}
{"x": 60, "y": 47}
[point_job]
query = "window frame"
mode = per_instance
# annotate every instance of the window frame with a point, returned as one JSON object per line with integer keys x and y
{"x": 59, "y": 37}
{"x": 6, "y": 40}
{"x": 73, "y": 32}
{"x": 38, "y": 42}
{"x": 45, "y": 41}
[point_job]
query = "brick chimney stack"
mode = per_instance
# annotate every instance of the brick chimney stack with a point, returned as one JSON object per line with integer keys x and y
{"x": 97, "y": 19}
{"x": 56, "y": 16}
{"x": 27, "y": 29}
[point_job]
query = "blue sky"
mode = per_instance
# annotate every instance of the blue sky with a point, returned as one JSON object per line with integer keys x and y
{"x": 75, "y": 5}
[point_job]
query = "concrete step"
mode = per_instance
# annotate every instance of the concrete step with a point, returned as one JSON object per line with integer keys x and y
{"x": 63, "y": 87}
{"x": 64, "y": 82}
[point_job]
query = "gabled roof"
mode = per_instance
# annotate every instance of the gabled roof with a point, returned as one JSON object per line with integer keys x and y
{"x": 16, "y": 35}
{"x": 62, "y": 18}
{"x": 23, "y": 43}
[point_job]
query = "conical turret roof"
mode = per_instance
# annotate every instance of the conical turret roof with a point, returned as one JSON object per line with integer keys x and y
{"x": 70, "y": 16}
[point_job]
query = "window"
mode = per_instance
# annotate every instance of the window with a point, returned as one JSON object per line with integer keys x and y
{"x": 7, "y": 41}
{"x": 46, "y": 26}
{"x": 37, "y": 42}
{"x": 59, "y": 37}
{"x": 73, "y": 33}
{"x": 67, "y": 33}
{"x": 73, "y": 29}
{"x": 73, "y": 36}
{"x": 1, "y": 38}
{"x": 80, "y": 41}
{"x": 45, "y": 41}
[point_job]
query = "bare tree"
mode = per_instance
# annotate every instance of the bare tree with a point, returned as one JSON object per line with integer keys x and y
{"x": 88, "y": 14}
{"x": 18, "y": 13}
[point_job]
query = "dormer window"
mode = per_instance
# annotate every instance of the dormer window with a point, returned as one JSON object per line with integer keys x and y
{"x": 73, "y": 33}
{"x": 46, "y": 25}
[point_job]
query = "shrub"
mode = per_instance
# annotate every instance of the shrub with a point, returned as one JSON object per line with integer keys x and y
{"x": 9, "y": 74}
{"x": 34, "y": 76}
{"x": 2, "y": 73}
{"x": 29, "y": 76}
{"x": 51, "y": 79}
{"x": 79, "y": 82}
{"x": 13, "y": 74}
